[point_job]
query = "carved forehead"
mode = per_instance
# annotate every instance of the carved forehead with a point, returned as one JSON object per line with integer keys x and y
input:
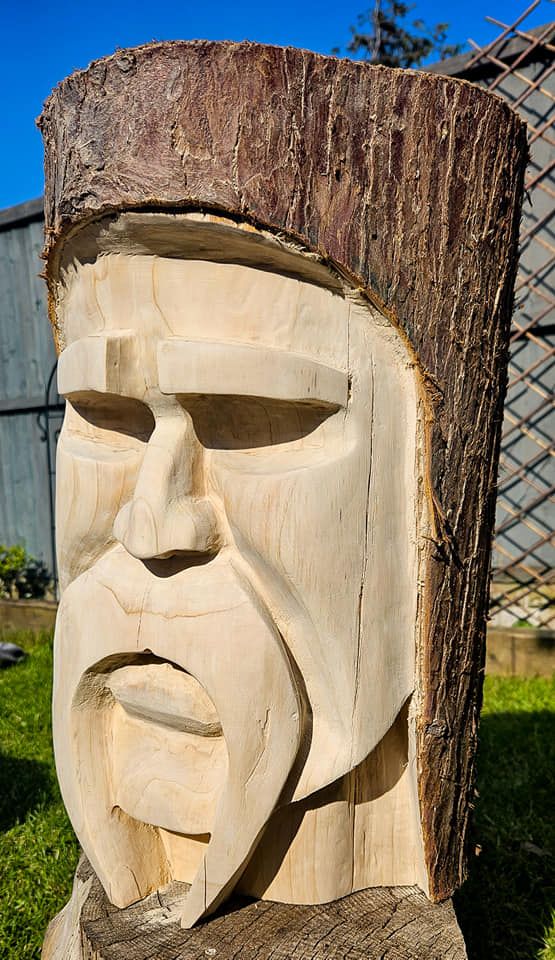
{"x": 202, "y": 300}
{"x": 202, "y": 277}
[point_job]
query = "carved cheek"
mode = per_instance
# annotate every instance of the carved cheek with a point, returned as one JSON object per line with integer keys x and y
{"x": 292, "y": 518}
{"x": 302, "y": 532}
{"x": 91, "y": 489}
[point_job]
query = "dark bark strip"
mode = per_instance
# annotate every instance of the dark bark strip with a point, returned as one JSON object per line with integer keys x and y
{"x": 411, "y": 184}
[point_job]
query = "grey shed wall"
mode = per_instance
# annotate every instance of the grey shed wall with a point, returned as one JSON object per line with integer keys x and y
{"x": 27, "y": 358}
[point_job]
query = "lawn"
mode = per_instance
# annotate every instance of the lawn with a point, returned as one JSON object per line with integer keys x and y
{"x": 504, "y": 908}
{"x": 38, "y": 850}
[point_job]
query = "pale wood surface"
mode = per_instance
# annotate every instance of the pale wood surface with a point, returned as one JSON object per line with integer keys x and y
{"x": 395, "y": 923}
{"x": 243, "y": 692}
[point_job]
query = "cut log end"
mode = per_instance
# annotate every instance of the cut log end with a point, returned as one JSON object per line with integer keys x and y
{"x": 390, "y": 923}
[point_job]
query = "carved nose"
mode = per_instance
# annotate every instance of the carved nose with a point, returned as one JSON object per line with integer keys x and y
{"x": 148, "y": 532}
{"x": 165, "y": 515}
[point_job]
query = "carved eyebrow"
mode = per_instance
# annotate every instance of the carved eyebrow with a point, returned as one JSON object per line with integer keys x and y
{"x": 230, "y": 369}
{"x": 104, "y": 364}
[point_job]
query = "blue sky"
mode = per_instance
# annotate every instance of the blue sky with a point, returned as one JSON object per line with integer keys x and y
{"x": 42, "y": 43}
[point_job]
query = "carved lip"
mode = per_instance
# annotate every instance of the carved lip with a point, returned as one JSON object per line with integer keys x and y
{"x": 163, "y": 694}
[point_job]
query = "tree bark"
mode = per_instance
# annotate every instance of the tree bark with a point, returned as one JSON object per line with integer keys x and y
{"x": 387, "y": 923}
{"x": 410, "y": 184}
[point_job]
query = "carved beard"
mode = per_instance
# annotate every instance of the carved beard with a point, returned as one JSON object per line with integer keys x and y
{"x": 120, "y": 617}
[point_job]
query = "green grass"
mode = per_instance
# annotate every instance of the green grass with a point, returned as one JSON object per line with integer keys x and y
{"x": 38, "y": 850}
{"x": 504, "y": 908}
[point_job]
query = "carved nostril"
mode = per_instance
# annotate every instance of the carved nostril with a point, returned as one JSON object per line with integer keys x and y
{"x": 196, "y": 529}
{"x": 136, "y": 529}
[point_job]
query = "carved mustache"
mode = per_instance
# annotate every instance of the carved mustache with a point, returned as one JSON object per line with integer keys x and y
{"x": 234, "y": 676}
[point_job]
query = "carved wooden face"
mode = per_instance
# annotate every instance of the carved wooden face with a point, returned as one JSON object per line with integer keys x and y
{"x": 237, "y": 551}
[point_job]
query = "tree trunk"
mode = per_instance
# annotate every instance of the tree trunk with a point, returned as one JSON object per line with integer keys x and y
{"x": 410, "y": 185}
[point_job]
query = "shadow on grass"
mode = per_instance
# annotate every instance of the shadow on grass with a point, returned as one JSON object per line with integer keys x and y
{"x": 24, "y": 786}
{"x": 504, "y": 908}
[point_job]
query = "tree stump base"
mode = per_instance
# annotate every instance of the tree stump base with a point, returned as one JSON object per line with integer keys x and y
{"x": 385, "y": 923}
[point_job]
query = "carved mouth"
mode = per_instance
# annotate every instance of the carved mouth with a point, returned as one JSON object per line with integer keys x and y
{"x": 167, "y": 750}
{"x": 162, "y": 693}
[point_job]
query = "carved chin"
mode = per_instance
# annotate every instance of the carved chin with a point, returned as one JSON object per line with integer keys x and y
{"x": 174, "y": 732}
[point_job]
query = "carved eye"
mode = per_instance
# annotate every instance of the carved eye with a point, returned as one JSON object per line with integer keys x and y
{"x": 241, "y": 423}
{"x": 107, "y": 416}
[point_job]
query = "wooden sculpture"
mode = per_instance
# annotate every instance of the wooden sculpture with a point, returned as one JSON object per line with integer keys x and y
{"x": 280, "y": 286}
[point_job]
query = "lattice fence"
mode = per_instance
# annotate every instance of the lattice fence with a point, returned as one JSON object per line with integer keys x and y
{"x": 519, "y": 66}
